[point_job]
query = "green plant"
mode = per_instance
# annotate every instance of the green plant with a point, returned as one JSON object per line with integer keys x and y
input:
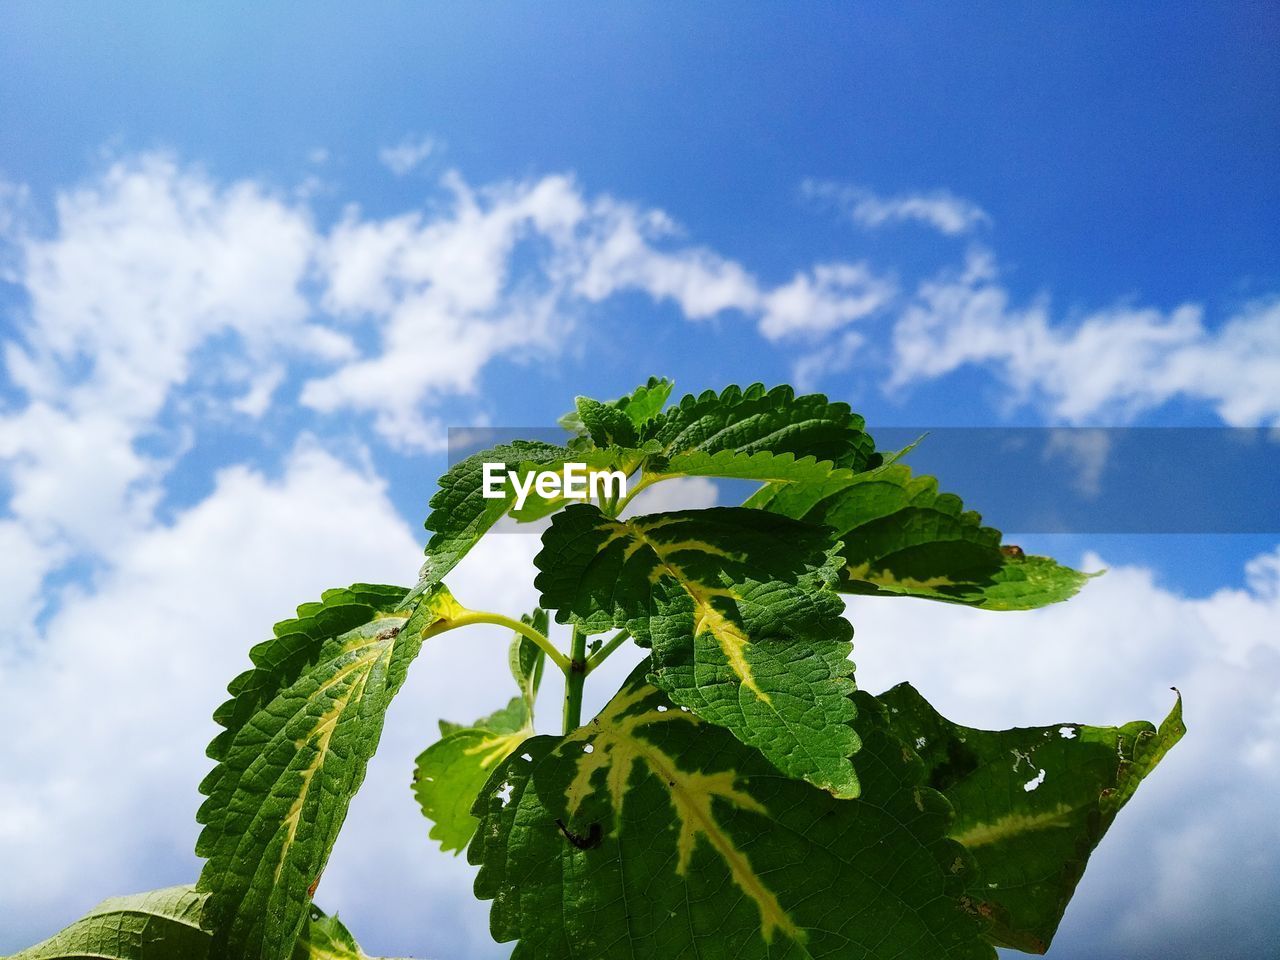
{"x": 737, "y": 797}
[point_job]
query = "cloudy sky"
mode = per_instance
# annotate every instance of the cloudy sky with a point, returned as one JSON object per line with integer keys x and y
{"x": 253, "y": 267}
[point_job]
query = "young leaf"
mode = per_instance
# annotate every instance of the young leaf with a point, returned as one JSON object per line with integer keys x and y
{"x": 527, "y": 659}
{"x": 160, "y": 925}
{"x": 606, "y": 424}
{"x": 449, "y": 774}
{"x": 648, "y": 835}
{"x": 901, "y": 536}
{"x": 735, "y": 606}
{"x": 287, "y": 771}
{"x": 1031, "y": 804}
{"x": 755, "y": 419}
{"x": 643, "y": 403}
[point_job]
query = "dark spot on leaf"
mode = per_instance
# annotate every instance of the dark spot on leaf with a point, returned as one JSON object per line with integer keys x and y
{"x": 592, "y": 839}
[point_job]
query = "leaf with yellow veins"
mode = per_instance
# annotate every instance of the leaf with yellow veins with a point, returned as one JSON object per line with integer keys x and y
{"x": 1031, "y": 803}
{"x": 736, "y": 607}
{"x": 448, "y": 775}
{"x": 649, "y": 834}
{"x": 300, "y": 730}
{"x": 902, "y": 537}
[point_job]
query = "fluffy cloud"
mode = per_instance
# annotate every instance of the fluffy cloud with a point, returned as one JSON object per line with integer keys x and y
{"x": 939, "y": 209}
{"x": 1116, "y": 362}
{"x": 504, "y": 271}
{"x": 826, "y": 298}
{"x": 115, "y": 695}
{"x": 145, "y": 267}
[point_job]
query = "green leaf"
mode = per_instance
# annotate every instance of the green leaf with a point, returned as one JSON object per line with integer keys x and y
{"x": 527, "y": 659}
{"x": 643, "y": 403}
{"x": 160, "y": 925}
{"x": 735, "y": 606}
{"x": 755, "y": 419}
{"x": 449, "y": 774}
{"x": 1031, "y": 804}
{"x": 169, "y": 925}
{"x": 606, "y": 424}
{"x": 326, "y": 938}
{"x": 901, "y": 536}
{"x": 289, "y": 766}
{"x": 647, "y": 834}
{"x": 460, "y": 512}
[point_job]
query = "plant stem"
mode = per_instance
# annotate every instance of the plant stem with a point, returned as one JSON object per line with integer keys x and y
{"x": 497, "y": 619}
{"x": 574, "y": 678}
{"x": 645, "y": 480}
{"x": 601, "y": 655}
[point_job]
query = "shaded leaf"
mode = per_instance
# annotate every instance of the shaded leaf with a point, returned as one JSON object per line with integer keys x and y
{"x": 648, "y": 833}
{"x": 1031, "y": 804}
{"x": 901, "y": 536}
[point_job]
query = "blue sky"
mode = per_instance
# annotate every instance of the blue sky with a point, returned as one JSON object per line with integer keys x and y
{"x": 253, "y": 265}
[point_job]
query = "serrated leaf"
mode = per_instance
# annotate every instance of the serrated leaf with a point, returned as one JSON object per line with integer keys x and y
{"x": 735, "y": 606}
{"x": 450, "y": 773}
{"x": 327, "y": 938}
{"x": 527, "y": 659}
{"x": 287, "y": 771}
{"x": 168, "y": 925}
{"x": 648, "y": 834}
{"x": 1031, "y": 804}
{"x": 460, "y": 512}
{"x": 606, "y": 424}
{"x": 643, "y": 403}
{"x": 160, "y": 925}
{"x": 755, "y": 419}
{"x": 901, "y": 536}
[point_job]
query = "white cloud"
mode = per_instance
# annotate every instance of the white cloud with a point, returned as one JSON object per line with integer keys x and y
{"x": 939, "y": 209}
{"x": 115, "y": 698}
{"x": 141, "y": 269}
{"x": 620, "y": 252}
{"x": 1204, "y": 823}
{"x": 1117, "y": 362}
{"x": 824, "y": 299}
{"x": 505, "y": 271}
{"x": 408, "y": 154}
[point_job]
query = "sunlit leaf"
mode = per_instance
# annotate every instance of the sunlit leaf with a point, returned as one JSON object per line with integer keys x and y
{"x": 735, "y": 606}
